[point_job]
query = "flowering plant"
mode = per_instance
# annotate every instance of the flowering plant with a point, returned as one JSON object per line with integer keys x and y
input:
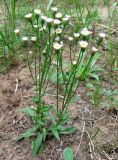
{"x": 46, "y": 43}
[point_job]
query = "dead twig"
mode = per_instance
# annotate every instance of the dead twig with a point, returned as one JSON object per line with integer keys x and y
{"x": 83, "y": 130}
{"x": 16, "y": 85}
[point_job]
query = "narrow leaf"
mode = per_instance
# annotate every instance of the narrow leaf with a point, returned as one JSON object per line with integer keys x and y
{"x": 56, "y": 134}
{"x": 29, "y": 111}
{"x": 94, "y": 76}
{"x": 29, "y": 132}
{"x": 52, "y": 118}
{"x": 68, "y": 130}
{"x": 36, "y": 145}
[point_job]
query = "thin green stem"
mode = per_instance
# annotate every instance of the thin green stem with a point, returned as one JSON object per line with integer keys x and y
{"x": 57, "y": 83}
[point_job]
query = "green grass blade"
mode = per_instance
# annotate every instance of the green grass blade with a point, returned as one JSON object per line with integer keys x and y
{"x": 49, "y": 4}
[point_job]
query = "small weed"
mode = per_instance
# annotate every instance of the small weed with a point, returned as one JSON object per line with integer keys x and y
{"x": 45, "y": 43}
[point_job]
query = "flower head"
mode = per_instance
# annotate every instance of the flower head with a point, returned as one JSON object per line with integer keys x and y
{"x": 58, "y": 31}
{"x": 74, "y": 62}
{"x": 17, "y": 31}
{"x": 70, "y": 39}
{"x": 56, "y": 21}
{"x": 102, "y": 35}
{"x": 33, "y": 39}
{"x": 30, "y": 52}
{"x": 83, "y": 44}
{"x": 35, "y": 26}
{"x": 68, "y": 16}
{"x": 58, "y": 15}
{"x": 94, "y": 49}
{"x": 25, "y": 39}
{"x": 65, "y": 19}
{"x": 37, "y": 11}
{"x": 57, "y": 46}
{"x": 49, "y": 20}
{"x": 85, "y": 32}
{"x": 54, "y": 9}
{"x": 76, "y": 35}
{"x": 44, "y": 18}
{"x": 28, "y": 16}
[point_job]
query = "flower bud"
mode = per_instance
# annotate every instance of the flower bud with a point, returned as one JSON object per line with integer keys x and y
{"x": 70, "y": 39}
{"x": 29, "y": 17}
{"x": 58, "y": 31}
{"x": 58, "y": 15}
{"x": 25, "y": 39}
{"x": 54, "y": 9}
{"x": 83, "y": 44}
{"x": 57, "y": 46}
{"x": 33, "y": 39}
{"x": 16, "y": 31}
{"x": 56, "y": 21}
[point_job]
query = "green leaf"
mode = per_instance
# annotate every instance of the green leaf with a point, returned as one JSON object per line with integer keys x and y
{"x": 49, "y": 4}
{"x": 94, "y": 59}
{"x": 55, "y": 133}
{"x": 36, "y": 145}
{"x": 52, "y": 118}
{"x": 66, "y": 130}
{"x": 29, "y": 111}
{"x": 29, "y": 132}
{"x": 75, "y": 98}
{"x": 45, "y": 108}
{"x": 94, "y": 76}
{"x": 68, "y": 154}
{"x": 44, "y": 134}
{"x": 38, "y": 120}
{"x": 36, "y": 100}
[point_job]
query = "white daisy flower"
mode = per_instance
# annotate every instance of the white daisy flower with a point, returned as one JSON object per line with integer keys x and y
{"x": 85, "y": 32}
{"x": 37, "y": 11}
{"x": 33, "y": 39}
{"x": 35, "y": 26}
{"x": 28, "y": 16}
{"x": 74, "y": 62}
{"x": 68, "y": 16}
{"x": 94, "y": 49}
{"x": 65, "y": 19}
{"x": 76, "y": 35}
{"x": 44, "y": 18}
{"x": 102, "y": 35}
{"x": 54, "y": 9}
{"x": 49, "y": 20}
{"x": 70, "y": 38}
{"x": 25, "y": 39}
{"x": 57, "y": 46}
{"x": 83, "y": 44}
{"x": 30, "y": 52}
{"x": 54, "y": 62}
{"x": 58, "y": 31}
{"x": 17, "y": 31}
{"x": 58, "y": 15}
{"x": 56, "y": 21}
